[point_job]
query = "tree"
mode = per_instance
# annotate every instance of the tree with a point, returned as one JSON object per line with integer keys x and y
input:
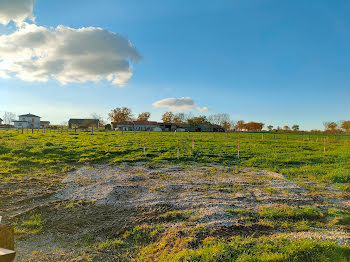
{"x": 286, "y": 128}
{"x": 179, "y": 118}
{"x": 219, "y": 119}
{"x": 102, "y": 122}
{"x": 270, "y": 127}
{"x": 226, "y": 126}
{"x": 331, "y": 127}
{"x": 240, "y": 125}
{"x": 295, "y": 128}
{"x": 168, "y": 117}
{"x": 254, "y": 126}
{"x": 9, "y": 117}
{"x": 120, "y": 114}
{"x": 197, "y": 120}
{"x": 345, "y": 126}
{"x": 144, "y": 116}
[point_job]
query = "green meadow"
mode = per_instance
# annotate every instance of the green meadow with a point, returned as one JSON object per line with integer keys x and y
{"x": 295, "y": 155}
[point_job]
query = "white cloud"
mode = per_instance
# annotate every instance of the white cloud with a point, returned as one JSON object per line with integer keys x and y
{"x": 36, "y": 53}
{"x": 16, "y": 10}
{"x": 179, "y": 104}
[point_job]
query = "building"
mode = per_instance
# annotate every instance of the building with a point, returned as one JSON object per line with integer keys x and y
{"x": 145, "y": 125}
{"x": 44, "y": 124}
{"x": 136, "y": 126}
{"x": 123, "y": 126}
{"x": 168, "y": 126}
{"x": 204, "y": 128}
{"x": 27, "y": 121}
{"x": 83, "y": 123}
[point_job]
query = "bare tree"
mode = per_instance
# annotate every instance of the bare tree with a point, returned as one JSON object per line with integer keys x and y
{"x": 99, "y": 117}
{"x": 9, "y": 117}
{"x": 219, "y": 119}
{"x": 179, "y": 118}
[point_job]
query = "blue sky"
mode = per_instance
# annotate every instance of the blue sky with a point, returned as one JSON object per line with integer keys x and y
{"x": 279, "y": 62}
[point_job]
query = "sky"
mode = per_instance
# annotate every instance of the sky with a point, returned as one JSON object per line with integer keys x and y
{"x": 272, "y": 61}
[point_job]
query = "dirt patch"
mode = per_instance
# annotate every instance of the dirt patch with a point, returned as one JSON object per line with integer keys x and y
{"x": 99, "y": 202}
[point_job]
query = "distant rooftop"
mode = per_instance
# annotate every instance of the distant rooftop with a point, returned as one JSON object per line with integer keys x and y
{"x": 29, "y": 115}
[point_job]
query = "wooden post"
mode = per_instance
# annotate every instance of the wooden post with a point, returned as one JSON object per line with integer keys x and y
{"x": 262, "y": 136}
{"x": 92, "y": 130}
{"x": 238, "y": 146}
{"x": 22, "y": 130}
{"x": 144, "y": 146}
{"x": 7, "y": 243}
{"x": 178, "y": 150}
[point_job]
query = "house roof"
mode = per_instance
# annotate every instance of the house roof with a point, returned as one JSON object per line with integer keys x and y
{"x": 123, "y": 123}
{"x": 29, "y": 115}
{"x": 144, "y": 123}
{"x": 78, "y": 120}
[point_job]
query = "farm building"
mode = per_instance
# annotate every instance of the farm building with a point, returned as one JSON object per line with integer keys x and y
{"x": 204, "y": 128}
{"x": 44, "y": 124}
{"x": 136, "y": 126}
{"x": 123, "y": 126}
{"x": 27, "y": 121}
{"x": 168, "y": 126}
{"x": 145, "y": 125}
{"x": 83, "y": 123}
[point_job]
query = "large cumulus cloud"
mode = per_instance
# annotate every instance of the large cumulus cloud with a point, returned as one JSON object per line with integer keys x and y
{"x": 36, "y": 53}
{"x": 179, "y": 104}
{"x": 15, "y": 10}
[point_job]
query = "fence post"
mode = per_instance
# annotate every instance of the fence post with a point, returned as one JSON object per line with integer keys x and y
{"x": 238, "y": 146}
{"x": 178, "y": 150}
{"x": 144, "y": 147}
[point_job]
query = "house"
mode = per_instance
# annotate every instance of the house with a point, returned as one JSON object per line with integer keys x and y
{"x": 83, "y": 123}
{"x": 44, "y": 124}
{"x": 27, "y": 121}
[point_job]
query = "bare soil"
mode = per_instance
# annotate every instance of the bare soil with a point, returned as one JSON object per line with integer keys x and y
{"x": 103, "y": 201}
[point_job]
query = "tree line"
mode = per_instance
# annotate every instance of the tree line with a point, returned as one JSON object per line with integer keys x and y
{"x": 122, "y": 114}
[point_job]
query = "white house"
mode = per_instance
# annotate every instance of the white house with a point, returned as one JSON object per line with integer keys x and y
{"x": 27, "y": 121}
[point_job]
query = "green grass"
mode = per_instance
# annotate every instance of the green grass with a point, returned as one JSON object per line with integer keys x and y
{"x": 264, "y": 249}
{"x": 50, "y": 153}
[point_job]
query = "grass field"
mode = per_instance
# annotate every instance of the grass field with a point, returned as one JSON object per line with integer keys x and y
{"x": 294, "y": 155}
{"x": 264, "y": 220}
